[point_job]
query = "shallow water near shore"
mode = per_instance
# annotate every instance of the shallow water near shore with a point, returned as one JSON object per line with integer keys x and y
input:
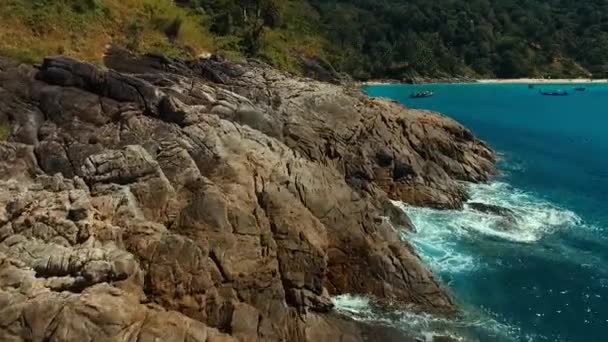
{"x": 545, "y": 277}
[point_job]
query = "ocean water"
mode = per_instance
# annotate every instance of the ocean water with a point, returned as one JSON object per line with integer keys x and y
{"x": 544, "y": 275}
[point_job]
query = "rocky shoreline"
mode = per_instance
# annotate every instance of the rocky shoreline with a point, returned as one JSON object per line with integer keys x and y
{"x": 211, "y": 201}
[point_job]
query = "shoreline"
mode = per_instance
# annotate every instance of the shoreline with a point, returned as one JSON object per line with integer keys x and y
{"x": 543, "y": 81}
{"x": 556, "y": 81}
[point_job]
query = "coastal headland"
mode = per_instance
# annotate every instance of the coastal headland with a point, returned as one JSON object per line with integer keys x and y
{"x": 205, "y": 200}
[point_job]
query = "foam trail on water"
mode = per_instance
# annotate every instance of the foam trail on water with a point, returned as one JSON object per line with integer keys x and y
{"x": 534, "y": 217}
{"x": 448, "y": 241}
{"x": 357, "y": 306}
{"x": 440, "y": 234}
{"x": 424, "y": 325}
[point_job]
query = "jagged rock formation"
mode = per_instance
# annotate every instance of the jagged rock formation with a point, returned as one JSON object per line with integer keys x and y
{"x": 412, "y": 155}
{"x": 207, "y": 201}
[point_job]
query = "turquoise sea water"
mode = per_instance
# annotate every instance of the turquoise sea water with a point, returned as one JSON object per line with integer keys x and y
{"x": 547, "y": 278}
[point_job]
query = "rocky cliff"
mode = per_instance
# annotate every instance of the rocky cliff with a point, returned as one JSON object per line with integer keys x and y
{"x": 211, "y": 201}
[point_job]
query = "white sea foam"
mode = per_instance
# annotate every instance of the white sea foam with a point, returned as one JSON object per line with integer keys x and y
{"x": 440, "y": 234}
{"x": 361, "y": 308}
{"x": 535, "y": 217}
{"x": 353, "y": 305}
{"x": 443, "y": 239}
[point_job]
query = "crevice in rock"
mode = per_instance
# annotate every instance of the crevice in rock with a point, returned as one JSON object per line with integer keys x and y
{"x": 219, "y": 265}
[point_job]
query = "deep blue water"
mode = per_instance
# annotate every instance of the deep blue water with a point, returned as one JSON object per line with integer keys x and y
{"x": 547, "y": 278}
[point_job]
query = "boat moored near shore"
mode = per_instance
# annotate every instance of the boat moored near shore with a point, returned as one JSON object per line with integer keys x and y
{"x": 421, "y": 94}
{"x": 554, "y": 92}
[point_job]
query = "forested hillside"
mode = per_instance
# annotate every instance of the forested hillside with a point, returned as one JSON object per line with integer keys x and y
{"x": 366, "y": 38}
{"x": 503, "y": 38}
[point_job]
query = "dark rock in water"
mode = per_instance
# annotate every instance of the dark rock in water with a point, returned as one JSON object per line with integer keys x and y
{"x": 444, "y": 339}
{"x": 397, "y": 216}
{"x": 491, "y": 209}
{"x": 508, "y": 221}
{"x": 436, "y": 339}
{"x": 211, "y": 201}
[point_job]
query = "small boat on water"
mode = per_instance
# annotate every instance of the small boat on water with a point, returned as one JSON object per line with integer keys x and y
{"x": 554, "y": 93}
{"x": 421, "y": 94}
{"x": 580, "y": 88}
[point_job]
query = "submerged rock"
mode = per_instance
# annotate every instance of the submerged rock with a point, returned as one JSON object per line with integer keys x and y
{"x": 508, "y": 217}
{"x": 209, "y": 201}
{"x": 491, "y": 209}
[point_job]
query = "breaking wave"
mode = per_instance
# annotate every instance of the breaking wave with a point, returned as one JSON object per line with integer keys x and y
{"x": 441, "y": 234}
{"x": 424, "y": 326}
{"x": 443, "y": 239}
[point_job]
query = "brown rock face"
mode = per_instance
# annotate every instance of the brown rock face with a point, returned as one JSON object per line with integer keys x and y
{"x": 415, "y": 156}
{"x": 207, "y": 201}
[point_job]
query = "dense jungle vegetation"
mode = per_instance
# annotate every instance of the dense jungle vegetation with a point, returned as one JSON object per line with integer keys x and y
{"x": 365, "y": 38}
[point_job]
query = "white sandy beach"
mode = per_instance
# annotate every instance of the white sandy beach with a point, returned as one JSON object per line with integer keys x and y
{"x": 375, "y": 83}
{"x": 544, "y": 80}
{"x": 505, "y": 81}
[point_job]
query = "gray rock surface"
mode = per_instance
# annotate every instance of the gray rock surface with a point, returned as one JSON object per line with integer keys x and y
{"x": 491, "y": 209}
{"x": 507, "y": 218}
{"x": 205, "y": 201}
